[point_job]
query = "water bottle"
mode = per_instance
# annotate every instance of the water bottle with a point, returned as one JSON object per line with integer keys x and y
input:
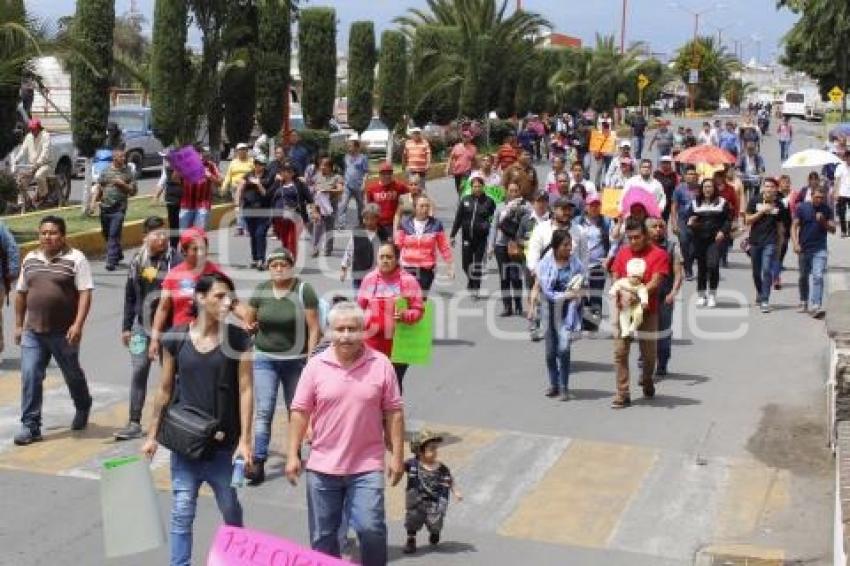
{"x": 138, "y": 344}
{"x": 238, "y": 478}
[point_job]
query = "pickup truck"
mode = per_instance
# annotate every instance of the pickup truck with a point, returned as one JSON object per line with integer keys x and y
{"x": 63, "y": 154}
{"x": 143, "y": 148}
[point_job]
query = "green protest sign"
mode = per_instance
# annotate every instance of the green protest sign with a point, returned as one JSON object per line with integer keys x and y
{"x": 413, "y": 343}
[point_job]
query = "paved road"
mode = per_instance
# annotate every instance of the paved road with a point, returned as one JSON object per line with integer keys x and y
{"x": 727, "y": 460}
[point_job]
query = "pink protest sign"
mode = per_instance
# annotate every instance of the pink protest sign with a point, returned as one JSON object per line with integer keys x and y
{"x": 188, "y": 163}
{"x": 243, "y": 547}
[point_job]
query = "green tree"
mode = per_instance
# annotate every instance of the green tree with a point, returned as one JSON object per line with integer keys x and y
{"x": 169, "y": 68}
{"x": 15, "y": 50}
{"x": 239, "y": 81}
{"x": 317, "y": 62}
{"x": 715, "y": 65}
{"x": 817, "y": 44}
{"x": 362, "y": 57}
{"x": 90, "y": 84}
{"x": 205, "y": 101}
{"x": 485, "y": 42}
{"x": 438, "y": 101}
{"x": 273, "y": 58}
{"x": 734, "y": 90}
{"x": 392, "y": 81}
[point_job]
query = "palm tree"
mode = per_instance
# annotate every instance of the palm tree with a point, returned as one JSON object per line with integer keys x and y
{"x": 734, "y": 91}
{"x": 480, "y": 41}
{"x": 714, "y": 63}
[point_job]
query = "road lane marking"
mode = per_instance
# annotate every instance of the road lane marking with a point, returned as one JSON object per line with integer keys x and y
{"x": 751, "y": 492}
{"x": 582, "y": 497}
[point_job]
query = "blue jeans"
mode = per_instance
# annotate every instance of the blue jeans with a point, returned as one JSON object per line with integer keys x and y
{"x": 638, "y": 143}
{"x": 762, "y": 260}
{"x": 779, "y": 260}
{"x": 186, "y": 479}
{"x": 814, "y": 264}
{"x": 258, "y": 229}
{"x": 194, "y": 217}
{"x": 36, "y": 349}
{"x": 269, "y": 375}
{"x": 111, "y": 225}
{"x": 355, "y": 193}
{"x": 784, "y": 149}
{"x": 665, "y": 323}
{"x": 557, "y": 360}
{"x": 362, "y": 498}
{"x": 140, "y": 365}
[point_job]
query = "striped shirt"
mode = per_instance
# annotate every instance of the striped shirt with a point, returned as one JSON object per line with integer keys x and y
{"x": 52, "y": 287}
{"x": 418, "y": 155}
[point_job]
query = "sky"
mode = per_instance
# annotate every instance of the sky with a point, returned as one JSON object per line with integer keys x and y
{"x": 663, "y": 24}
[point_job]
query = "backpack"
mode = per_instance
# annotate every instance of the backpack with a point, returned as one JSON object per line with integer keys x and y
{"x": 323, "y": 308}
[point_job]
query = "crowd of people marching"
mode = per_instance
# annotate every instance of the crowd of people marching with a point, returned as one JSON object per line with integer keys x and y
{"x": 640, "y": 228}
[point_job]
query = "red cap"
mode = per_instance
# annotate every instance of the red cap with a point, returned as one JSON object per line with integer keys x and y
{"x": 386, "y": 167}
{"x": 35, "y": 124}
{"x": 191, "y": 235}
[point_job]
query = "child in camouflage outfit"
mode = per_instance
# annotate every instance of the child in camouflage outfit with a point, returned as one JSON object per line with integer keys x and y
{"x": 429, "y": 483}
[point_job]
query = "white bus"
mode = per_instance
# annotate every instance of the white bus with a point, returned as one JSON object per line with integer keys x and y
{"x": 794, "y": 104}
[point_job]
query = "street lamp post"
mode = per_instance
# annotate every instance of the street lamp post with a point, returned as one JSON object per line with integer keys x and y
{"x": 692, "y": 85}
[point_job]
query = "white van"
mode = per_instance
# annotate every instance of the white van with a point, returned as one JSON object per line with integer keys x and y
{"x": 794, "y": 104}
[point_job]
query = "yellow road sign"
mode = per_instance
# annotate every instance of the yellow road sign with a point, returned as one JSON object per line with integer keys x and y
{"x": 643, "y": 81}
{"x": 836, "y": 94}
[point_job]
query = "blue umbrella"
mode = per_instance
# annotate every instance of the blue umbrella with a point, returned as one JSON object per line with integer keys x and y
{"x": 841, "y": 130}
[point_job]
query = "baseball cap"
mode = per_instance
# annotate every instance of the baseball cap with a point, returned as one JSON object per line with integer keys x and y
{"x": 626, "y": 143}
{"x": 191, "y": 235}
{"x": 281, "y": 254}
{"x": 666, "y": 159}
{"x": 423, "y": 437}
{"x": 592, "y": 199}
{"x": 354, "y": 138}
{"x": 34, "y": 123}
{"x": 242, "y": 146}
{"x": 386, "y": 167}
{"x": 415, "y": 130}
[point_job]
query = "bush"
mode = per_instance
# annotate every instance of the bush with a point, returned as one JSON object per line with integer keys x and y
{"x": 8, "y": 190}
{"x": 319, "y": 141}
{"x": 501, "y": 129}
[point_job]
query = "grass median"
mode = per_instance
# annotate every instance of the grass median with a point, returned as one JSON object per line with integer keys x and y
{"x": 25, "y": 227}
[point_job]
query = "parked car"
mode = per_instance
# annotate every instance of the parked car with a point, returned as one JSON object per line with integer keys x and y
{"x": 63, "y": 153}
{"x": 143, "y": 148}
{"x": 376, "y": 137}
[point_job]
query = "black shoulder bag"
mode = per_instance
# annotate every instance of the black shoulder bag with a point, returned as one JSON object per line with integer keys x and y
{"x": 188, "y": 430}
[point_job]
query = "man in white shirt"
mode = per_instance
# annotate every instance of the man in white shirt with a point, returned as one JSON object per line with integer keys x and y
{"x": 707, "y": 136}
{"x": 577, "y": 178}
{"x": 563, "y": 213}
{"x": 644, "y": 180}
{"x": 625, "y": 151}
{"x": 36, "y": 152}
{"x": 842, "y": 192}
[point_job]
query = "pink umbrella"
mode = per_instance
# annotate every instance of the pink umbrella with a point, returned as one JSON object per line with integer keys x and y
{"x": 639, "y": 196}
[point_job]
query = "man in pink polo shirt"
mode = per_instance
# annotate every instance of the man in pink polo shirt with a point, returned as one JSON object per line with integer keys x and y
{"x": 350, "y": 394}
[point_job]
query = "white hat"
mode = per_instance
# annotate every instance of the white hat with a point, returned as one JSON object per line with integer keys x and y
{"x": 415, "y": 130}
{"x": 242, "y": 146}
{"x": 635, "y": 267}
{"x": 666, "y": 158}
{"x": 354, "y": 138}
{"x": 626, "y": 143}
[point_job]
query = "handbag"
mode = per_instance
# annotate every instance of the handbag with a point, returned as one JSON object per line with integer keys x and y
{"x": 514, "y": 250}
{"x": 187, "y": 430}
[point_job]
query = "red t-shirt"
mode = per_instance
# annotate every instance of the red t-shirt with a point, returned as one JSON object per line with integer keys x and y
{"x": 199, "y": 195}
{"x": 656, "y": 262}
{"x": 180, "y": 284}
{"x": 729, "y": 195}
{"x": 386, "y": 197}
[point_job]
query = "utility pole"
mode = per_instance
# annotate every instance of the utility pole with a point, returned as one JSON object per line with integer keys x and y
{"x": 623, "y": 28}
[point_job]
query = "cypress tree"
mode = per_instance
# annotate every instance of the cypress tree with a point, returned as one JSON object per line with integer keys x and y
{"x": 392, "y": 81}
{"x": 239, "y": 83}
{"x": 273, "y": 56}
{"x": 317, "y": 62}
{"x": 93, "y": 25}
{"x": 361, "y": 74}
{"x": 11, "y": 11}
{"x": 168, "y": 69}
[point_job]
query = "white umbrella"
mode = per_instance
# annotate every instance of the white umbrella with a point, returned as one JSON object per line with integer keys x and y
{"x": 810, "y": 158}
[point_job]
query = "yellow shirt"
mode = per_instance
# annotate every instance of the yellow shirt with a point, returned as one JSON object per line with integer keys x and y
{"x": 235, "y": 171}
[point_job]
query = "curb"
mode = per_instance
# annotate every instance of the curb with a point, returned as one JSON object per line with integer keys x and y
{"x": 91, "y": 242}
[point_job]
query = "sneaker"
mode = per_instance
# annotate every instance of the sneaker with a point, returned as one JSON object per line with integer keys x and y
{"x": 777, "y": 284}
{"x": 28, "y": 436}
{"x": 434, "y": 538}
{"x": 649, "y": 390}
{"x": 565, "y": 396}
{"x": 552, "y": 392}
{"x": 689, "y": 277}
{"x": 818, "y": 312}
{"x": 81, "y": 419}
{"x": 765, "y": 308}
{"x": 410, "y": 545}
{"x": 620, "y": 402}
{"x": 701, "y": 301}
{"x": 802, "y": 307}
{"x": 712, "y": 302}
{"x": 109, "y": 267}
{"x": 131, "y": 431}
{"x": 661, "y": 371}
